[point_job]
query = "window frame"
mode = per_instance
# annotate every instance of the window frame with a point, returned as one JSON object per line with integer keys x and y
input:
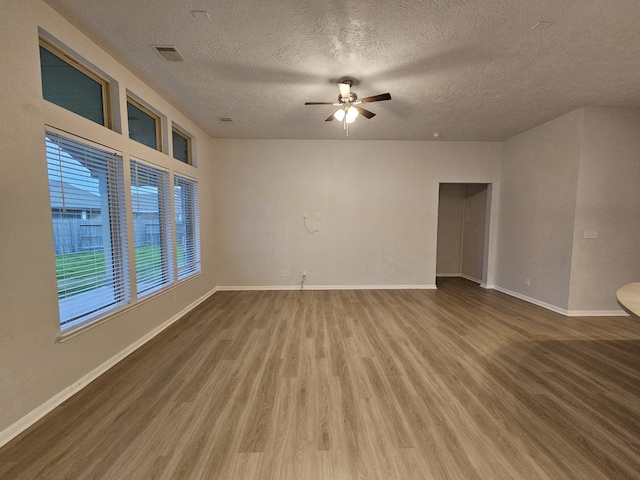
{"x": 74, "y": 62}
{"x": 149, "y": 111}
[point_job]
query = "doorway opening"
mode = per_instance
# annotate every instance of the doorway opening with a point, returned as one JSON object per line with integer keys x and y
{"x": 463, "y": 231}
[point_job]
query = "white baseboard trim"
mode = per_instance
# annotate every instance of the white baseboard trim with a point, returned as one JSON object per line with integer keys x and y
{"x": 535, "y": 301}
{"x": 32, "y": 417}
{"x": 468, "y": 277}
{"x": 461, "y": 275}
{"x": 229, "y": 288}
{"x": 597, "y": 313}
{"x": 562, "y": 311}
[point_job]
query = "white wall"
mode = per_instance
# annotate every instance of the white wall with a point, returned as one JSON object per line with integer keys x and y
{"x": 575, "y": 173}
{"x": 608, "y": 200}
{"x": 539, "y": 179}
{"x": 378, "y": 205}
{"x": 34, "y": 366}
{"x": 473, "y": 239}
{"x": 450, "y": 218}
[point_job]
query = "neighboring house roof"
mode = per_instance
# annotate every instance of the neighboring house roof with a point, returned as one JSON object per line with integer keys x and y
{"x": 65, "y": 195}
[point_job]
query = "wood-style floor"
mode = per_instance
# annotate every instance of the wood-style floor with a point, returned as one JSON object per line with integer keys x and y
{"x": 459, "y": 383}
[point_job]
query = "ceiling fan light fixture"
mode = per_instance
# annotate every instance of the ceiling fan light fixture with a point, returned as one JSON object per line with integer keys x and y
{"x": 339, "y": 115}
{"x": 352, "y": 114}
{"x": 349, "y": 105}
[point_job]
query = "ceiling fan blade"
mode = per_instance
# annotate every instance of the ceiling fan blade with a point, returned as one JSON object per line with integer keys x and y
{"x": 330, "y": 118}
{"x": 345, "y": 90}
{"x": 365, "y": 113}
{"x": 376, "y": 98}
{"x": 318, "y": 103}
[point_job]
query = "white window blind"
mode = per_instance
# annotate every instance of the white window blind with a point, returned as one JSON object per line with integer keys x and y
{"x": 151, "y": 203}
{"x": 187, "y": 225}
{"x": 86, "y": 186}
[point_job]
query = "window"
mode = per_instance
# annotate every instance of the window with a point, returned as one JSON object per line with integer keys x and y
{"x": 185, "y": 193}
{"x": 86, "y": 186}
{"x": 181, "y": 146}
{"x": 151, "y": 202}
{"x": 70, "y": 85}
{"x": 144, "y": 125}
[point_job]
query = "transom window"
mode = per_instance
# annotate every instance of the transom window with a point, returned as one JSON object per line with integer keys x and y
{"x": 71, "y": 85}
{"x": 181, "y": 146}
{"x": 144, "y": 125}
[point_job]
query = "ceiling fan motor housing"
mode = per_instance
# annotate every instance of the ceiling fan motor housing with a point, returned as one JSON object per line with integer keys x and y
{"x": 352, "y": 98}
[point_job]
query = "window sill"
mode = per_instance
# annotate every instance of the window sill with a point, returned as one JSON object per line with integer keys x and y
{"x": 87, "y": 325}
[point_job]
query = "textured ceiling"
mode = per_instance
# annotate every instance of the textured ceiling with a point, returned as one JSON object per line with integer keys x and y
{"x": 470, "y": 69}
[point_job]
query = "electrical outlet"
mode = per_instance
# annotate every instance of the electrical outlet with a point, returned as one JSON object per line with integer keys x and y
{"x": 393, "y": 273}
{"x": 318, "y": 215}
{"x": 409, "y": 272}
{"x": 284, "y": 273}
{"x": 527, "y": 282}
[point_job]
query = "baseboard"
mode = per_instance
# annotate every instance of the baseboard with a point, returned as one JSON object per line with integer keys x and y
{"x": 230, "y": 288}
{"x": 32, "y": 417}
{"x": 470, "y": 278}
{"x": 562, "y": 311}
{"x": 461, "y": 275}
{"x": 535, "y": 301}
{"x": 597, "y": 313}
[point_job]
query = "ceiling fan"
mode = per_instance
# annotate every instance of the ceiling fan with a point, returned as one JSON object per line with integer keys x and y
{"x": 349, "y": 104}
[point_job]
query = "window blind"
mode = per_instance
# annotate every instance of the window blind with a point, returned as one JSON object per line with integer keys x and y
{"x": 187, "y": 225}
{"x": 86, "y": 186}
{"x": 151, "y": 204}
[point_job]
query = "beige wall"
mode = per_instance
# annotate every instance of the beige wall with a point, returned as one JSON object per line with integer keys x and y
{"x": 608, "y": 200}
{"x": 378, "y": 205}
{"x": 34, "y": 366}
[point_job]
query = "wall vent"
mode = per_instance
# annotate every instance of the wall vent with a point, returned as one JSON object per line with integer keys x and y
{"x": 226, "y": 120}
{"x": 168, "y": 52}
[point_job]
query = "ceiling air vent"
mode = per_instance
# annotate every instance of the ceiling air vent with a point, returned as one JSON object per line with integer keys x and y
{"x": 168, "y": 52}
{"x": 226, "y": 120}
